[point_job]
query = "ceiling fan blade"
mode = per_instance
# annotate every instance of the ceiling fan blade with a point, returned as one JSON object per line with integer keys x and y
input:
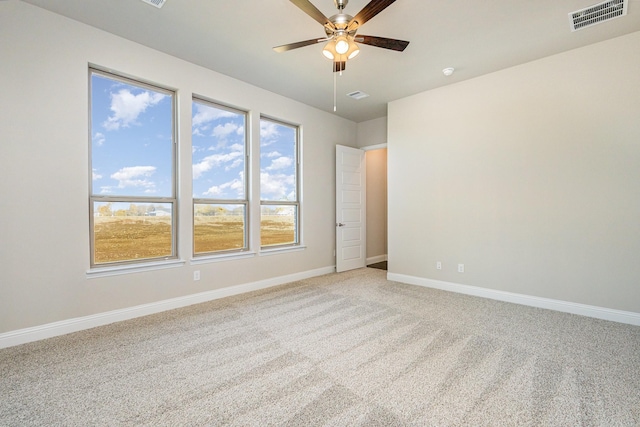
{"x": 369, "y": 11}
{"x": 308, "y": 8}
{"x": 382, "y": 42}
{"x": 291, "y": 46}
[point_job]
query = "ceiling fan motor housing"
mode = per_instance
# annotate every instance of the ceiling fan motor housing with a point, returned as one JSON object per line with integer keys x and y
{"x": 340, "y": 23}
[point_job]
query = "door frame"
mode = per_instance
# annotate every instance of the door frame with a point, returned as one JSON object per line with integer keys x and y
{"x": 373, "y": 148}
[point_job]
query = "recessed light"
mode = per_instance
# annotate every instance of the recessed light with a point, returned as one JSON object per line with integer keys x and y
{"x": 448, "y": 71}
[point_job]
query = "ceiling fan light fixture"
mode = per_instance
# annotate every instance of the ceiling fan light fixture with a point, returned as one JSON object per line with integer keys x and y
{"x": 329, "y": 50}
{"x": 342, "y": 45}
{"x": 353, "y": 51}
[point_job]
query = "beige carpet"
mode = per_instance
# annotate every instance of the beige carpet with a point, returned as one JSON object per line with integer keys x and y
{"x": 348, "y": 349}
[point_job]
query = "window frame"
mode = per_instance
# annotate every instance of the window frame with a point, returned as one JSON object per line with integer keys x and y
{"x": 298, "y": 188}
{"x": 96, "y": 198}
{"x": 212, "y": 201}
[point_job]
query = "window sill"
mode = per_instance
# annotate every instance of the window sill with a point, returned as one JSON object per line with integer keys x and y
{"x": 222, "y": 257}
{"x": 285, "y": 249}
{"x": 133, "y": 268}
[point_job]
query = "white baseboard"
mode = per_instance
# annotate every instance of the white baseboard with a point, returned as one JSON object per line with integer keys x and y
{"x": 619, "y": 316}
{"x": 375, "y": 259}
{"x": 22, "y": 336}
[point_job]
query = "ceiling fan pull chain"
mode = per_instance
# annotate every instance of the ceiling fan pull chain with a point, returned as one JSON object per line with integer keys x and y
{"x": 335, "y": 107}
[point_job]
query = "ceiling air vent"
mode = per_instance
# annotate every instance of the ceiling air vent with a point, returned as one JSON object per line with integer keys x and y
{"x": 358, "y": 94}
{"x": 601, "y": 12}
{"x": 156, "y": 3}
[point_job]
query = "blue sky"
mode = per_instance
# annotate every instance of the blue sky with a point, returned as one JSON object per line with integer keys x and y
{"x": 218, "y": 138}
{"x": 131, "y": 150}
{"x": 218, "y": 152}
{"x": 132, "y": 154}
{"x": 277, "y": 161}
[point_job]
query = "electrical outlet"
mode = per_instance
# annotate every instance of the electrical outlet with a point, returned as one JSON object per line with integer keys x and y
{"x": 196, "y": 275}
{"x": 460, "y": 268}
{"x": 439, "y": 265}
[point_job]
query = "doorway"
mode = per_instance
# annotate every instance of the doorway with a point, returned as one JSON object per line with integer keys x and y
{"x": 361, "y": 207}
{"x": 376, "y": 189}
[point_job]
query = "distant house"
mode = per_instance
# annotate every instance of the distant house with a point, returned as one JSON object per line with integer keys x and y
{"x": 285, "y": 211}
{"x": 159, "y": 213}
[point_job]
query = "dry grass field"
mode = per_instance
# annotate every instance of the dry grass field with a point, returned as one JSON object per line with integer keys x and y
{"x": 139, "y": 237}
{"x": 218, "y": 233}
{"x": 132, "y": 237}
{"x": 277, "y": 230}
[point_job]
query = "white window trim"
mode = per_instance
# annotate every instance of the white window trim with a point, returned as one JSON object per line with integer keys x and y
{"x": 225, "y": 254}
{"x": 206, "y": 259}
{"x": 116, "y": 270}
{"x": 266, "y": 251}
{"x": 299, "y": 245}
{"x": 125, "y": 266}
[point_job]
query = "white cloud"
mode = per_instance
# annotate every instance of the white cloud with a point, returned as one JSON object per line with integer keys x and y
{"x": 222, "y": 131}
{"x": 205, "y": 114}
{"x": 135, "y": 176}
{"x": 98, "y": 138}
{"x": 218, "y": 190}
{"x": 235, "y": 159}
{"x": 95, "y": 175}
{"x": 280, "y": 163}
{"x": 235, "y": 164}
{"x": 213, "y": 191}
{"x": 272, "y": 154}
{"x": 268, "y": 133}
{"x": 126, "y": 107}
{"x": 277, "y": 186}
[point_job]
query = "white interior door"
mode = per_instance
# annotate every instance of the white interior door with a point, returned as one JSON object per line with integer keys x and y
{"x": 350, "y": 209}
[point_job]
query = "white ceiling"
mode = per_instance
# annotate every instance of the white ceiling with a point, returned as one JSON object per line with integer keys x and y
{"x": 236, "y": 37}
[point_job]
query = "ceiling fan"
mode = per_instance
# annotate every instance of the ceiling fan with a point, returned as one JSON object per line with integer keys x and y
{"x": 341, "y": 32}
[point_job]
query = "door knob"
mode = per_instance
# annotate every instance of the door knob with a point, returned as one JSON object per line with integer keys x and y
{"x": 340, "y": 224}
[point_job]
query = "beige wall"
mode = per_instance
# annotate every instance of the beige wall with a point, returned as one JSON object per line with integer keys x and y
{"x": 373, "y": 133}
{"x": 44, "y": 164}
{"x": 376, "y": 204}
{"x": 529, "y": 176}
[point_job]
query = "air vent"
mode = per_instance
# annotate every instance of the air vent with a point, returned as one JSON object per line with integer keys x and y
{"x": 601, "y": 12}
{"x": 358, "y": 94}
{"x": 156, "y": 3}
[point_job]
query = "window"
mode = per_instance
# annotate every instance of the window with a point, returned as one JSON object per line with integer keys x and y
{"x": 220, "y": 200}
{"x": 133, "y": 186}
{"x": 279, "y": 188}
